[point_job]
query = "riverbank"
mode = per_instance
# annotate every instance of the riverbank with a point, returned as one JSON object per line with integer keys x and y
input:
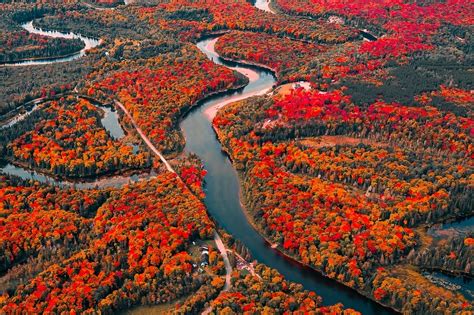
{"x": 211, "y": 95}
{"x": 224, "y": 203}
{"x": 277, "y": 247}
{"x": 251, "y": 64}
{"x": 265, "y": 5}
{"x": 82, "y": 179}
{"x": 89, "y": 43}
{"x": 211, "y": 112}
{"x": 47, "y": 58}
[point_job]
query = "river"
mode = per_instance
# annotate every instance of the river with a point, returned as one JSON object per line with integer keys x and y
{"x": 456, "y": 228}
{"x": 264, "y": 5}
{"x": 222, "y": 183}
{"x": 89, "y": 43}
{"x": 223, "y": 198}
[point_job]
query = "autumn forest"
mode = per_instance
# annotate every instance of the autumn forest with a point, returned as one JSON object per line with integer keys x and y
{"x": 236, "y": 157}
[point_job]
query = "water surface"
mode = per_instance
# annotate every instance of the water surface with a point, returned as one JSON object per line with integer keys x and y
{"x": 89, "y": 43}
{"x": 223, "y": 200}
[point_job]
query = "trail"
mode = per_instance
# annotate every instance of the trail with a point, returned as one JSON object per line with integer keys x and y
{"x": 145, "y": 138}
{"x": 228, "y": 268}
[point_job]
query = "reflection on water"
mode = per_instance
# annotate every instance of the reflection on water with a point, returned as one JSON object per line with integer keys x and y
{"x": 463, "y": 285}
{"x": 106, "y": 182}
{"x": 456, "y": 228}
{"x": 89, "y": 43}
{"x": 111, "y": 122}
{"x": 223, "y": 200}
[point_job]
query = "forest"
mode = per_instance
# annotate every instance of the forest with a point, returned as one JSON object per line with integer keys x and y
{"x": 160, "y": 91}
{"x": 73, "y": 143}
{"x": 270, "y": 293}
{"x": 352, "y": 172}
{"x": 105, "y": 265}
{"x": 341, "y": 204}
{"x": 17, "y": 44}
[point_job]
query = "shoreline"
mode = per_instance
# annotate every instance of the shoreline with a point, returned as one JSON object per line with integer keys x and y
{"x": 451, "y": 273}
{"x": 249, "y": 217}
{"x": 253, "y": 64}
{"x": 212, "y": 111}
{"x": 84, "y": 180}
{"x": 264, "y": 5}
{"x": 211, "y": 46}
{"x": 25, "y": 60}
{"x": 277, "y": 247}
{"x": 89, "y": 43}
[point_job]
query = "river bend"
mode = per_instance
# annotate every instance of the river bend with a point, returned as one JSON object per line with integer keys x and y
{"x": 223, "y": 190}
{"x": 222, "y": 182}
{"x": 88, "y": 42}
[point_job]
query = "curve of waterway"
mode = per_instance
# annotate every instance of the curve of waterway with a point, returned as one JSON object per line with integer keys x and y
{"x": 28, "y": 26}
{"x": 110, "y": 122}
{"x": 103, "y": 182}
{"x": 222, "y": 186}
{"x": 222, "y": 182}
{"x": 264, "y": 5}
{"x": 223, "y": 190}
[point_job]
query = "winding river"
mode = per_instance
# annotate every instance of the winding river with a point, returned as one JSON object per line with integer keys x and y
{"x": 222, "y": 182}
{"x": 223, "y": 191}
{"x": 102, "y": 182}
{"x": 89, "y": 43}
{"x": 264, "y": 5}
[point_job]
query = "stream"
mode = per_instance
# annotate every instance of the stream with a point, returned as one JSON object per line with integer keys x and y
{"x": 461, "y": 284}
